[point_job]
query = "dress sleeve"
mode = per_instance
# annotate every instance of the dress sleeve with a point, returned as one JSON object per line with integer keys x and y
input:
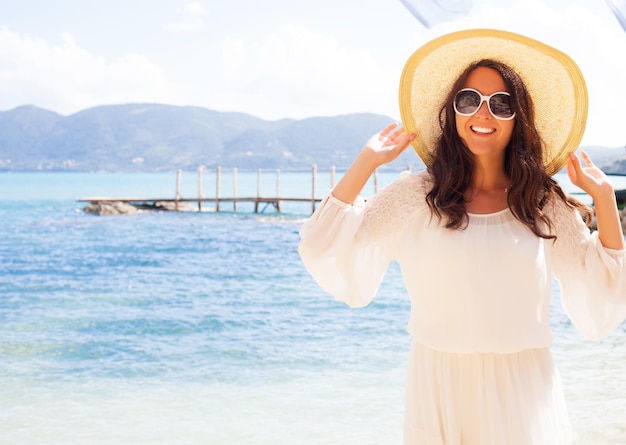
{"x": 593, "y": 288}
{"x": 347, "y": 248}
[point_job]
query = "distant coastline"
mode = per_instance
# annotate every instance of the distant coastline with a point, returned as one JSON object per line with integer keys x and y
{"x": 157, "y": 137}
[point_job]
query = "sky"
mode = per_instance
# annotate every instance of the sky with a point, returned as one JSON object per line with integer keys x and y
{"x": 276, "y": 59}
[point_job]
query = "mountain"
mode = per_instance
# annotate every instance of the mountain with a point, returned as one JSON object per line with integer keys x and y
{"x": 157, "y": 137}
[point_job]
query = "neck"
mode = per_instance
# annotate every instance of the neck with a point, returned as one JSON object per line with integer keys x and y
{"x": 489, "y": 179}
{"x": 487, "y": 192}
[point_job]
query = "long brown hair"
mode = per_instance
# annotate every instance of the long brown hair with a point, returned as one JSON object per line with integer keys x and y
{"x": 531, "y": 187}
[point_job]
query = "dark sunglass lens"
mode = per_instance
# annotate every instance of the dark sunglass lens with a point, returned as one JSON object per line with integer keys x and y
{"x": 500, "y": 105}
{"x": 467, "y": 101}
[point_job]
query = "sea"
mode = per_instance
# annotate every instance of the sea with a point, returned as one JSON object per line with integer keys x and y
{"x": 203, "y": 327}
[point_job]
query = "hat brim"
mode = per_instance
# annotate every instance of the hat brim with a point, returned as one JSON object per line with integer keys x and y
{"x": 554, "y": 81}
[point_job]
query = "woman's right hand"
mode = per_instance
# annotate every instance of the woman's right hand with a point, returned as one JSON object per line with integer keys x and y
{"x": 382, "y": 148}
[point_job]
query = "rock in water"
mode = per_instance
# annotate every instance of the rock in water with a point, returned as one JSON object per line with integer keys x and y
{"x": 111, "y": 208}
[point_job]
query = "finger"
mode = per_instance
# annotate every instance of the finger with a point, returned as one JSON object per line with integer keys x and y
{"x": 571, "y": 171}
{"x": 586, "y": 158}
{"x": 575, "y": 164}
{"x": 388, "y": 129}
{"x": 398, "y": 133}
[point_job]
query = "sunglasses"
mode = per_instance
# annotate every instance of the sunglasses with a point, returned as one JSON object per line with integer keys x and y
{"x": 468, "y": 101}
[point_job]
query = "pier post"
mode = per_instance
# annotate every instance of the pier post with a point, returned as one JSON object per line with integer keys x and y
{"x": 234, "y": 189}
{"x": 179, "y": 173}
{"x": 278, "y": 190}
{"x": 200, "y": 192}
{"x": 313, "y": 185}
{"x": 218, "y": 175}
{"x": 258, "y": 190}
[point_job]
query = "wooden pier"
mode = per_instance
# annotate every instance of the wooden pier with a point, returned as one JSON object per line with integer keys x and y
{"x": 260, "y": 203}
{"x": 107, "y": 205}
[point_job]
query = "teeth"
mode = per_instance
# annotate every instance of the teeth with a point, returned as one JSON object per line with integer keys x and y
{"x": 483, "y": 130}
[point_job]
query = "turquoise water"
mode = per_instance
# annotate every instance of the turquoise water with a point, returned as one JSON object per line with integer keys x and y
{"x": 204, "y": 328}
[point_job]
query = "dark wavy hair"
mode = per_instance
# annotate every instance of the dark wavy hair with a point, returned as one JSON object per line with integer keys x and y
{"x": 531, "y": 187}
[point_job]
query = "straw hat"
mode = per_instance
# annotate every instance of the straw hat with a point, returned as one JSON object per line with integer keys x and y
{"x": 553, "y": 79}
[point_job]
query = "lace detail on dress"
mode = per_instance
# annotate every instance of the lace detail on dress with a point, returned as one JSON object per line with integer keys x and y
{"x": 567, "y": 224}
{"x": 397, "y": 205}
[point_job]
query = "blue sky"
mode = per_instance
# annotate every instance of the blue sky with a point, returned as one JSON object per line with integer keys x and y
{"x": 275, "y": 58}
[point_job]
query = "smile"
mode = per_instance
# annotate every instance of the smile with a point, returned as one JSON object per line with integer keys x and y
{"x": 482, "y": 130}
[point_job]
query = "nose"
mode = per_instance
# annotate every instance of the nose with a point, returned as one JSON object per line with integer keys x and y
{"x": 483, "y": 110}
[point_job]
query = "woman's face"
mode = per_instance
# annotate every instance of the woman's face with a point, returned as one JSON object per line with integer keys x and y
{"x": 484, "y": 135}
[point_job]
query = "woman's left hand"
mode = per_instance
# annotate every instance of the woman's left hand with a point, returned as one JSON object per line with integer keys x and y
{"x": 593, "y": 181}
{"x": 589, "y": 177}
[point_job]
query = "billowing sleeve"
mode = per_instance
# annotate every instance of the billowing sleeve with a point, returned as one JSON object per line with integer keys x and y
{"x": 592, "y": 278}
{"x": 347, "y": 248}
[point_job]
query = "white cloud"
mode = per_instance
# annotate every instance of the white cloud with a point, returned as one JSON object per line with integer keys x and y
{"x": 194, "y": 8}
{"x": 190, "y": 18}
{"x": 232, "y": 58}
{"x": 303, "y": 73}
{"x": 67, "y": 78}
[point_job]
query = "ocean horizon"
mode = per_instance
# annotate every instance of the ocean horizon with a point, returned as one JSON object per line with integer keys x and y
{"x": 205, "y": 328}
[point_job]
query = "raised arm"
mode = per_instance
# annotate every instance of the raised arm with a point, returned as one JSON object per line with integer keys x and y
{"x": 382, "y": 148}
{"x": 595, "y": 183}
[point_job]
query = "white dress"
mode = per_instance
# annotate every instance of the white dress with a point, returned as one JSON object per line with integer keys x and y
{"x": 480, "y": 368}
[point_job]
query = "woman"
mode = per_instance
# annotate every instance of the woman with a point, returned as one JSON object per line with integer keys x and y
{"x": 479, "y": 236}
